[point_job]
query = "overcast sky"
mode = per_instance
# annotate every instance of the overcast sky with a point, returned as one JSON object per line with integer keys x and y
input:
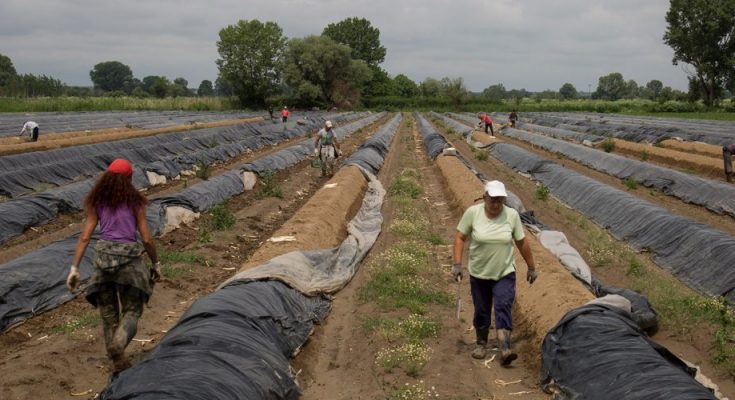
{"x": 532, "y": 44}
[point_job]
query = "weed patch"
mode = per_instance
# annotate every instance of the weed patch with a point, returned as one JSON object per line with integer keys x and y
{"x": 203, "y": 170}
{"x": 405, "y": 185}
{"x": 172, "y": 257}
{"x": 630, "y": 183}
{"x": 88, "y": 319}
{"x": 222, "y": 217}
{"x": 271, "y": 187}
{"x": 608, "y": 145}
{"x": 414, "y": 391}
{"x": 542, "y": 192}
{"x": 411, "y": 357}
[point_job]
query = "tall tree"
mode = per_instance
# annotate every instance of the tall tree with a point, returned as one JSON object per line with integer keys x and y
{"x": 321, "y": 71}
{"x": 7, "y": 70}
{"x": 567, "y": 91}
{"x": 654, "y": 88}
{"x": 495, "y": 92}
{"x": 111, "y": 75}
{"x": 222, "y": 87}
{"x": 405, "y": 87}
{"x": 702, "y": 34}
{"x": 431, "y": 87}
{"x": 360, "y": 36}
{"x": 632, "y": 90}
{"x": 250, "y": 59}
{"x": 205, "y": 88}
{"x": 180, "y": 88}
{"x": 455, "y": 90}
{"x": 611, "y": 87}
{"x": 380, "y": 83}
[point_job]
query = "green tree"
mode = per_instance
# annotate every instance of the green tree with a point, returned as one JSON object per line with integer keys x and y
{"x": 205, "y": 88}
{"x": 654, "y": 88}
{"x": 148, "y": 81}
{"x": 632, "y": 90}
{"x": 111, "y": 75}
{"x": 222, "y": 87}
{"x": 179, "y": 88}
{"x": 380, "y": 83}
{"x": 360, "y": 36}
{"x": 160, "y": 87}
{"x": 611, "y": 87}
{"x": 702, "y": 34}
{"x": 495, "y": 92}
{"x": 567, "y": 91}
{"x": 7, "y": 70}
{"x": 405, "y": 87}
{"x": 431, "y": 87}
{"x": 250, "y": 59}
{"x": 320, "y": 71}
{"x": 455, "y": 90}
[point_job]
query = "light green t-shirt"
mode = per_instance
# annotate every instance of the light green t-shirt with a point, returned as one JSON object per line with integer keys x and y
{"x": 491, "y": 246}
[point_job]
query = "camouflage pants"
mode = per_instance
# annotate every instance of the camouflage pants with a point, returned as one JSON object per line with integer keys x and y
{"x": 120, "y": 286}
{"x": 120, "y": 308}
{"x": 327, "y": 154}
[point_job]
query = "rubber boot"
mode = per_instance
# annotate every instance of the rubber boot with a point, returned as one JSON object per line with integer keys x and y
{"x": 506, "y": 354}
{"x": 728, "y": 177}
{"x": 480, "y": 350}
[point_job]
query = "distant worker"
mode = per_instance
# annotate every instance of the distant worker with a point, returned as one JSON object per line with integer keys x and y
{"x": 32, "y": 129}
{"x": 327, "y": 149}
{"x": 484, "y": 118}
{"x": 270, "y": 112}
{"x": 727, "y": 152}
{"x": 513, "y": 117}
{"x": 121, "y": 283}
{"x": 284, "y": 115}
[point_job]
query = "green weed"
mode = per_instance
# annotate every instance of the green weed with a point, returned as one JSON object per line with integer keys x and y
{"x": 204, "y": 235}
{"x": 173, "y": 257}
{"x": 436, "y": 240}
{"x": 608, "y": 145}
{"x": 481, "y": 155}
{"x": 222, "y": 217}
{"x": 88, "y": 319}
{"x": 542, "y": 192}
{"x": 630, "y": 183}
{"x": 203, "y": 170}
{"x": 271, "y": 186}
{"x": 644, "y": 155}
{"x": 405, "y": 185}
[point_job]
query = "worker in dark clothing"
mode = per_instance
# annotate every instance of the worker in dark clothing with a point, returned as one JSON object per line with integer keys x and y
{"x": 727, "y": 152}
{"x": 513, "y": 117}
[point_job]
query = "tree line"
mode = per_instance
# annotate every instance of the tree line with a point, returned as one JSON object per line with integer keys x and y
{"x": 341, "y": 67}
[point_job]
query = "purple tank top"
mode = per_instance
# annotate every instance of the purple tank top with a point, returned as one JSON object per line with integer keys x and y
{"x": 117, "y": 224}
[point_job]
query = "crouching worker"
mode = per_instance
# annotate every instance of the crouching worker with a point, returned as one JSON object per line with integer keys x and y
{"x": 485, "y": 119}
{"x": 121, "y": 282}
{"x": 493, "y": 227}
{"x": 327, "y": 149}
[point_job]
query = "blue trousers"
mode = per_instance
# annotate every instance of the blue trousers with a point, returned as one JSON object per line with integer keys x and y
{"x": 501, "y": 294}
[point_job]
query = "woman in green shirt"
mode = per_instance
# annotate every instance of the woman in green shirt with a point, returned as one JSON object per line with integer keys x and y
{"x": 493, "y": 227}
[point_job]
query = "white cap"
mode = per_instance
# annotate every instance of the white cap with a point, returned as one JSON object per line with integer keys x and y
{"x": 495, "y": 189}
{"x": 328, "y": 124}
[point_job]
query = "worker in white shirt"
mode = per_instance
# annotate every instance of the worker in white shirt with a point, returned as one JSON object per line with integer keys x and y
{"x": 32, "y": 128}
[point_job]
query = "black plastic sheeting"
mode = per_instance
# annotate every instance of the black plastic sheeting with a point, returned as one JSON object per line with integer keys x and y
{"x": 18, "y": 214}
{"x": 236, "y": 342}
{"x": 642, "y": 311}
{"x": 233, "y": 344}
{"x": 165, "y": 154}
{"x": 30, "y": 285}
{"x": 697, "y": 254}
{"x": 558, "y": 133}
{"x": 715, "y": 196}
{"x": 597, "y": 352}
{"x": 371, "y": 154}
{"x": 455, "y": 126}
{"x": 10, "y": 124}
{"x": 433, "y": 141}
{"x": 638, "y": 129}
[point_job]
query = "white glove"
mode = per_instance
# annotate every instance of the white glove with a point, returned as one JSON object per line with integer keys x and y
{"x": 316, "y": 152}
{"x": 156, "y": 272}
{"x": 72, "y": 280}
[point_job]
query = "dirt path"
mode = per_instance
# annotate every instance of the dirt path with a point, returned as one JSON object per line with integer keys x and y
{"x": 611, "y": 261}
{"x": 347, "y": 347}
{"x": 61, "y": 352}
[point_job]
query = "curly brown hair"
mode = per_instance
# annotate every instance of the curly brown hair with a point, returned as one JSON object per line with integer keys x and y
{"x": 113, "y": 190}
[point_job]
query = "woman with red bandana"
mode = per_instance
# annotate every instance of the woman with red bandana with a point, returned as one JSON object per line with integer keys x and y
{"x": 121, "y": 282}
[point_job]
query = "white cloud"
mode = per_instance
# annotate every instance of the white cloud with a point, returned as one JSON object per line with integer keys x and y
{"x": 534, "y": 44}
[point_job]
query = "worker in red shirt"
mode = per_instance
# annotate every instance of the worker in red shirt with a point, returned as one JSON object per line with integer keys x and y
{"x": 284, "y": 114}
{"x": 484, "y": 118}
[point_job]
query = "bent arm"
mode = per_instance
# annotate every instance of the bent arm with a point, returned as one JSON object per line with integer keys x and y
{"x": 525, "y": 248}
{"x": 90, "y": 222}
{"x": 145, "y": 234}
